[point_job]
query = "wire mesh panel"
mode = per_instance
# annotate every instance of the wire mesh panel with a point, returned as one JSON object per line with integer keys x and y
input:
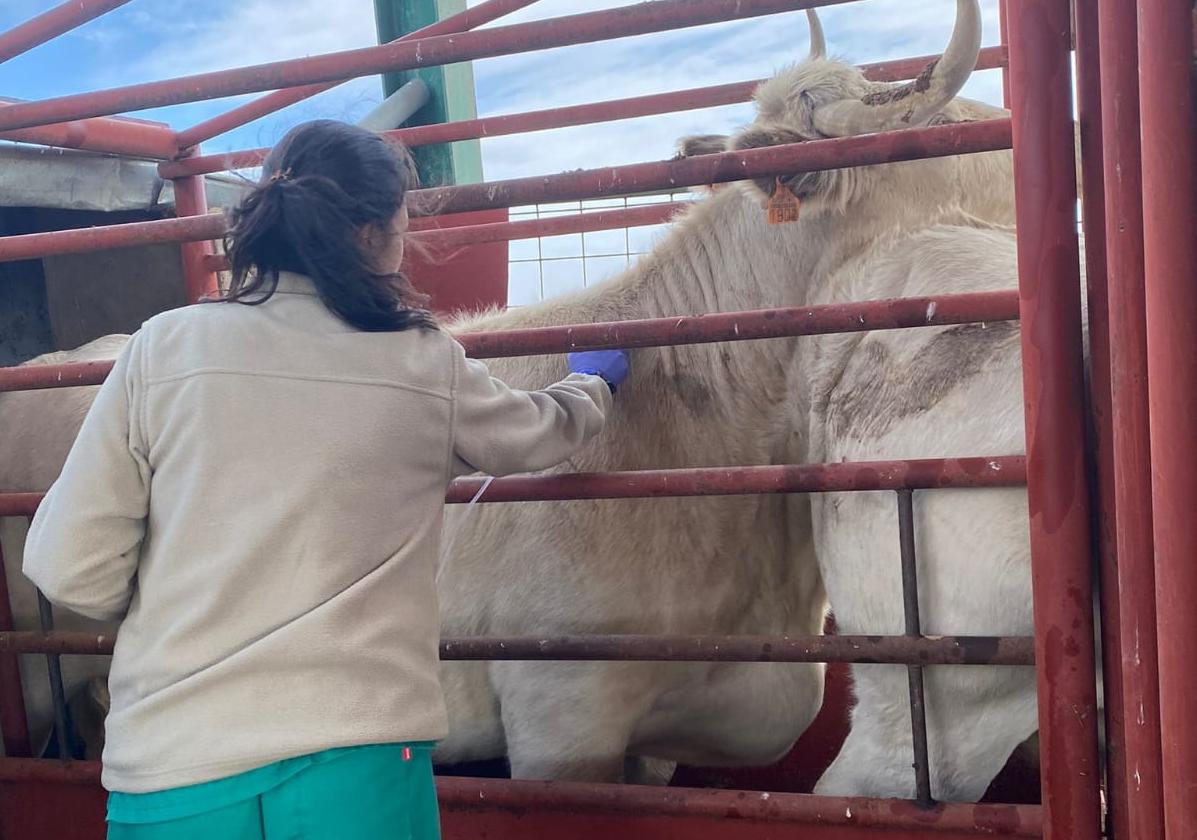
{"x": 549, "y": 266}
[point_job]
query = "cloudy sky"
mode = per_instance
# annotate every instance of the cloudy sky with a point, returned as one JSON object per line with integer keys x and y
{"x": 155, "y": 39}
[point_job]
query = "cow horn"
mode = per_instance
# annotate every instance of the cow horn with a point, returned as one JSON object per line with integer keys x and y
{"x": 818, "y": 42}
{"x": 917, "y": 102}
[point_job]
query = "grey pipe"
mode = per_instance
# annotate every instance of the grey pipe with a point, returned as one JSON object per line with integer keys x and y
{"x": 397, "y": 108}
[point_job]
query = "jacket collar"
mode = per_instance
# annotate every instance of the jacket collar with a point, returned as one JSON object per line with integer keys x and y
{"x": 290, "y": 283}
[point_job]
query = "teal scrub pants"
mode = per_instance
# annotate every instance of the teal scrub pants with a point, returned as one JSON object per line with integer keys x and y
{"x": 383, "y": 792}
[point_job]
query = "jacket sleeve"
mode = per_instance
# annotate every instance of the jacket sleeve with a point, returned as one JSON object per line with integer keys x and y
{"x": 500, "y": 430}
{"x": 83, "y": 545}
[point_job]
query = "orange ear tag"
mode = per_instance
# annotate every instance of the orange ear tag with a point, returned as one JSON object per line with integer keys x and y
{"x": 783, "y": 205}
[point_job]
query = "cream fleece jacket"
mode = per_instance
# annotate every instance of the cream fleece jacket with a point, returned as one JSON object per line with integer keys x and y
{"x": 257, "y": 495}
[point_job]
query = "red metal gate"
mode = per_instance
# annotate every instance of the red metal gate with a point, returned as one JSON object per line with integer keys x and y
{"x": 1140, "y": 213}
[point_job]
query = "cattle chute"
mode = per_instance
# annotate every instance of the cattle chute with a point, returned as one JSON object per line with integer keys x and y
{"x": 1047, "y": 306}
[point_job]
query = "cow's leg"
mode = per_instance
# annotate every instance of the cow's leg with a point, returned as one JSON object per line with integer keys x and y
{"x": 876, "y": 757}
{"x": 89, "y": 707}
{"x": 976, "y": 717}
{"x": 571, "y": 720}
{"x": 642, "y": 770}
{"x": 973, "y": 572}
{"x": 475, "y": 727}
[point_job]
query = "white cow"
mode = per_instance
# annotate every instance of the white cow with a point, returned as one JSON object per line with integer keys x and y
{"x": 712, "y": 566}
{"x": 36, "y": 432}
{"x": 945, "y": 392}
{"x": 940, "y": 392}
{"x": 747, "y": 564}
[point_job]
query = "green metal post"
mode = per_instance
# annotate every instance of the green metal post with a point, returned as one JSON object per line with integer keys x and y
{"x": 452, "y": 90}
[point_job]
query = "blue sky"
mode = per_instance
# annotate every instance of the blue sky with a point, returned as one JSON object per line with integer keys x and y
{"x": 154, "y": 39}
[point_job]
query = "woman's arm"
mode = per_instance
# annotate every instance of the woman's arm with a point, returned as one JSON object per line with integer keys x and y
{"x": 501, "y": 430}
{"x": 82, "y": 548}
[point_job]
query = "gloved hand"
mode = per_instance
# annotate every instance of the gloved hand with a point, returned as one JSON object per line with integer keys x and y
{"x": 611, "y": 365}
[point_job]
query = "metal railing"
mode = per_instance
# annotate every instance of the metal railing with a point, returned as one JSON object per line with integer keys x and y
{"x": 1160, "y": 543}
{"x": 903, "y": 477}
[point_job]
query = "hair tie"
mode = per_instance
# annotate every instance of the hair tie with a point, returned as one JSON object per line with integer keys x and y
{"x": 280, "y": 175}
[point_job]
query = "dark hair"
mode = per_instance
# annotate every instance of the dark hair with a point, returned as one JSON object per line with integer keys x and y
{"x": 320, "y": 187}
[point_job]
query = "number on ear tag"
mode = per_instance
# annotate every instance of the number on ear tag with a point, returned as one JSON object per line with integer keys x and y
{"x": 783, "y": 205}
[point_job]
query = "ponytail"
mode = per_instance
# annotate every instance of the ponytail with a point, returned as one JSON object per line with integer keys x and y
{"x": 320, "y": 188}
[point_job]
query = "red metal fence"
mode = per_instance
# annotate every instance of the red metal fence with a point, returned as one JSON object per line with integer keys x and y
{"x": 1142, "y": 317}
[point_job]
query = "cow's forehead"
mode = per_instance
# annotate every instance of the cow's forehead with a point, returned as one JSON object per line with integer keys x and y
{"x": 820, "y": 79}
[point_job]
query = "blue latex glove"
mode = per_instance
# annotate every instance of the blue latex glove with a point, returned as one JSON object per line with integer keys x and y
{"x": 611, "y": 365}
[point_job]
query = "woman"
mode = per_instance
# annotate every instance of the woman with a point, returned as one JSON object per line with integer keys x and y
{"x": 257, "y": 495}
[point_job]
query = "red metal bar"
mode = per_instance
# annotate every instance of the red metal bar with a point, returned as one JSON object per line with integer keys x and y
{"x": 741, "y": 326}
{"x": 271, "y": 102}
{"x": 36, "y": 377}
{"x": 1049, "y": 288}
{"x": 463, "y": 795}
{"x": 816, "y": 155}
{"x": 811, "y": 156}
{"x": 136, "y": 138}
{"x": 1139, "y": 787}
{"x": 936, "y": 473}
{"x": 426, "y": 135}
{"x": 1170, "y": 263}
{"x": 656, "y": 16}
{"x": 122, "y": 136}
{"x": 213, "y": 226}
{"x": 49, "y": 25}
{"x": 14, "y": 725}
{"x": 49, "y": 770}
{"x": 191, "y": 200}
{"x": 19, "y": 504}
{"x": 59, "y": 642}
{"x": 707, "y": 169}
{"x": 997, "y": 471}
{"x": 643, "y": 106}
{"x": 902, "y": 69}
{"x": 820, "y": 812}
{"x": 595, "y": 112}
{"x": 460, "y": 237}
{"x": 649, "y": 214}
{"x": 80, "y": 240}
{"x": 940, "y": 650}
{"x": 690, "y": 329}
{"x": 1089, "y": 64}
{"x": 442, "y": 220}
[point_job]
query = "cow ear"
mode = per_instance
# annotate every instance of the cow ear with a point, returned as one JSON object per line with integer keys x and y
{"x": 759, "y": 137}
{"x": 701, "y": 144}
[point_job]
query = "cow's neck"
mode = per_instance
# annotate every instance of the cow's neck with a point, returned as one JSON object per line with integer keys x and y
{"x": 723, "y": 256}
{"x": 720, "y": 256}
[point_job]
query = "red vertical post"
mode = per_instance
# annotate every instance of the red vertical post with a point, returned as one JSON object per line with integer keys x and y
{"x": 1090, "y": 62}
{"x": 1142, "y": 788}
{"x": 1170, "y": 266}
{"x": 1004, "y": 25}
{"x": 1053, "y": 384}
{"x": 191, "y": 200}
{"x": 14, "y": 725}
